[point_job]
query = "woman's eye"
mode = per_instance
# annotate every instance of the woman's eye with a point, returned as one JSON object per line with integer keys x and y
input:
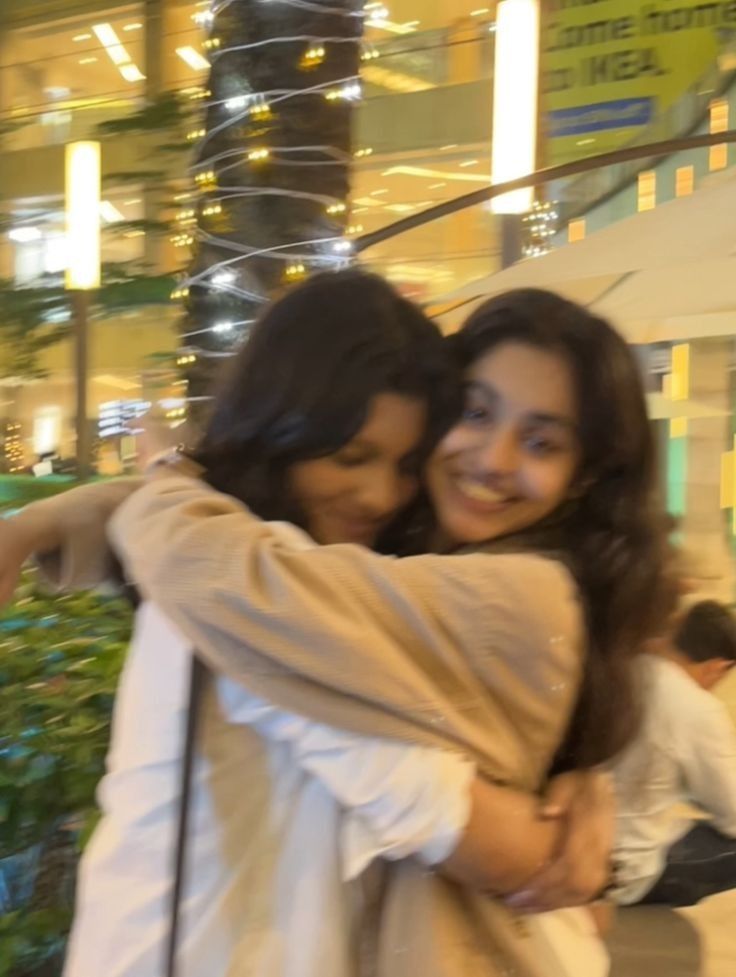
{"x": 542, "y": 446}
{"x": 475, "y": 415}
{"x": 350, "y": 461}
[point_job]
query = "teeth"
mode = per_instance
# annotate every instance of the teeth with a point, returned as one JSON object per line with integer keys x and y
{"x": 479, "y": 493}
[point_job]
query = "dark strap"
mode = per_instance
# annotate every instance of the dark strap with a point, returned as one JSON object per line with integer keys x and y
{"x": 196, "y": 687}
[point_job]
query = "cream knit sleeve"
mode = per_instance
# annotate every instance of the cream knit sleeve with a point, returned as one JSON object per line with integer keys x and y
{"x": 452, "y": 645}
{"x": 70, "y": 531}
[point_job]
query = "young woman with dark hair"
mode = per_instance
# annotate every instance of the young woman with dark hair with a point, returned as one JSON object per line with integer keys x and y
{"x": 304, "y": 384}
{"x": 481, "y": 651}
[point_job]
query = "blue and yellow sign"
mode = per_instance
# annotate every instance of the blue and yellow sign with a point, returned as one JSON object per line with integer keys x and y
{"x": 611, "y": 68}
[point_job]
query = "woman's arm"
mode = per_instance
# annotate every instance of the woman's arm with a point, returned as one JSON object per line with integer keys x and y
{"x": 466, "y": 646}
{"x": 400, "y": 800}
{"x": 505, "y": 842}
{"x": 66, "y": 535}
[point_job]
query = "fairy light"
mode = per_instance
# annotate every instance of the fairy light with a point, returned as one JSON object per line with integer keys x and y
{"x": 312, "y": 58}
{"x": 13, "y": 447}
{"x": 351, "y": 92}
{"x": 245, "y": 153}
{"x": 237, "y": 103}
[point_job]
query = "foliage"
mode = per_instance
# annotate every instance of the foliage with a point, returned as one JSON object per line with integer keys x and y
{"x": 126, "y": 286}
{"x": 59, "y": 662}
{"x": 169, "y": 111}
{"x": 31, "y": 320}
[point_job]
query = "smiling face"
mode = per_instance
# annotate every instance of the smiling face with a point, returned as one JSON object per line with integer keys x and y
{"x": 512, "y": 458}
{"x": 351, "y": 495}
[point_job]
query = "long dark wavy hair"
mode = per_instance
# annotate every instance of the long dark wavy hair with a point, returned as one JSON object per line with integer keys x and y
{"x": 613, "y": 533}
{"x": 302, "y": 385}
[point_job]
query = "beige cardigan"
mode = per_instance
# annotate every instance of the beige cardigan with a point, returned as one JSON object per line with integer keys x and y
{"x": 476, "y": 652}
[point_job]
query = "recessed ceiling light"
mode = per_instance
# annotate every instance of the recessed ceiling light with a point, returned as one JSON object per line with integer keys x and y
{"x": 110, "y": 212}
{"x": 87, "y": 60}
{"x": 24, "y": 235}
{"x": 132, "y": 27}
{"x": 131, "y": 72}
{"x": 111, "y": 42}
{"x": 192, "y": 57}
{"x": 82, "y": 37}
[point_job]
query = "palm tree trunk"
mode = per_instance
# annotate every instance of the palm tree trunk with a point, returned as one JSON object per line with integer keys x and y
{"x": 268, "y": 95}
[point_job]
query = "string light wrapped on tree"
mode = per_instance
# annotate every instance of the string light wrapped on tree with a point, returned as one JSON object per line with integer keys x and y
{"x": 272, "y": 163}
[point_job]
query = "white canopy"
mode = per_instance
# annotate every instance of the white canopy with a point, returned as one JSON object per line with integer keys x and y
{"x": 665, "y": 274}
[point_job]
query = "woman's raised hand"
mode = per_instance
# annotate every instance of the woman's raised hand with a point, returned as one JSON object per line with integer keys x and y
{"x": 580, "y": 869}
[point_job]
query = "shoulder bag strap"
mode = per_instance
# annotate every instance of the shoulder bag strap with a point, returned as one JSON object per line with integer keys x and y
{"x": 196, "y": 687}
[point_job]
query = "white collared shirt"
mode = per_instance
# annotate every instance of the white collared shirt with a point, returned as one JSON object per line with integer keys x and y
{"x": 285, "y": 813}
{"x": 685, "y": 753}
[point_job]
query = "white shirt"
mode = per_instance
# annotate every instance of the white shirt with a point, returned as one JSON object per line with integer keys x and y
{"x": 284, "y": 814}
{"x": 686, "y": 752}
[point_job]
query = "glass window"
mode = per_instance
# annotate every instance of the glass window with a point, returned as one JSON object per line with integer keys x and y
{"x": 71, "y": 74}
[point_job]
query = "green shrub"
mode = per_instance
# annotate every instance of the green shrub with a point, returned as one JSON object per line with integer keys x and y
{"x": 60, "y": 658}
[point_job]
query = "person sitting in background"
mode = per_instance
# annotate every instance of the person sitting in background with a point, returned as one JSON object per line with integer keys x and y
{"x": 685, "y": 752}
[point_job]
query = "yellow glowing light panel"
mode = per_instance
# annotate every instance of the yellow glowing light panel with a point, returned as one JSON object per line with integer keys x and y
{"x": 515, "y": 89}
{"x": 680, "y": 383}
{"x": 83, "y": 215}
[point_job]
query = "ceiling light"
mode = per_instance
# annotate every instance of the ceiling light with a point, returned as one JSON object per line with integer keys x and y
{"x": 469, "y": 162}
{"x": 480, "y": 12}
{"x": 367, "y": 202}
{"x": 388, "y": 25}
{"x": 192, "y": 57}
{"x": 132, "y": 72}
{"x": 395, "y": 81}
{"x": 438, "y": 174}
{"x": 87, "y": 60}
{"x": 82, "y": 37}
{"x": 132, "y": 27}
{"x": 450, "y": 145}
{"x": 105, "y": 34}
{"x": 378, "y": 193}
{"x": 118, "y": 55}
{"x": 24, "y": 235}
{"x": 110, "y": 213}
{"x": 131, "y": 203}
{"x": 111, "y": 42}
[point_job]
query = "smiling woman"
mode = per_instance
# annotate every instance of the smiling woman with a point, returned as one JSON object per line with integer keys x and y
{"x": 510, "y": 461}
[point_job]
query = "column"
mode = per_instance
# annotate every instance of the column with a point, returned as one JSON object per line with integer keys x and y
{"x": 705, "y": 526}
